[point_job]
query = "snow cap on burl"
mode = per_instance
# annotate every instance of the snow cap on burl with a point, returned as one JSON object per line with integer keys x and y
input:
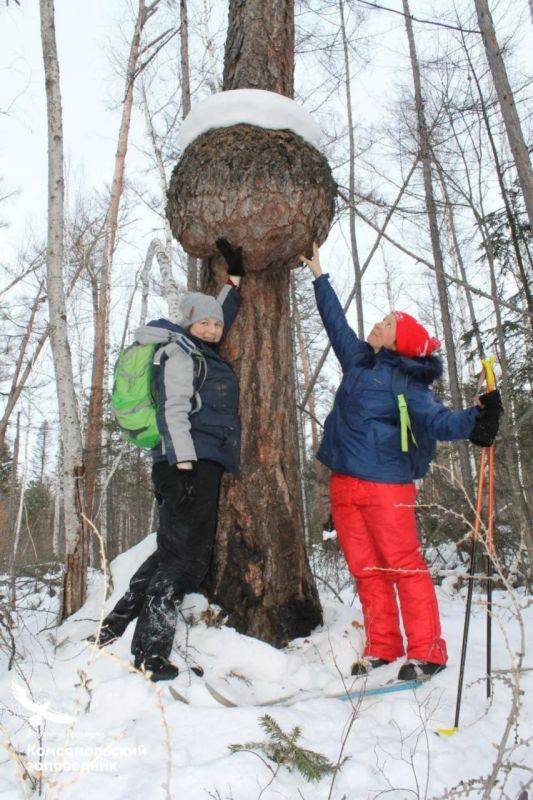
{"x": 251, "y": 172}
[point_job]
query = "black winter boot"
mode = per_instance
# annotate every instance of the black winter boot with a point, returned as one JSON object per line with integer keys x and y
{"x": 366, "y": 665}
{"x": 105, "y": 636}
{"x": 161, "y": 668}
{"x": 415, "y": 670}
{"x": 129, "y": 605}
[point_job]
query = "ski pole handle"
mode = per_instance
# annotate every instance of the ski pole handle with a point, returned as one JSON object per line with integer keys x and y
{"x": 488, "y": 368}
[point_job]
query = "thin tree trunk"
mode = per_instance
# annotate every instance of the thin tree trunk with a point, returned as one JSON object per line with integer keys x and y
{"x": 172, "y": 292}
{"x": 425, "y": 158}
{"x": 12, "y": 394}
{"x": 44, "y": 441}
{"x": 93, "y": 439}
{"x": 460, "y": 263}
{"x": 306, "y": 366}
{"x": 503, "y": 191}
{"x": 300, "y": 424}
{"x": 16, "y": 390}
{"x": 56, "y": 519}
{"x": 145, "y": 289}
{"x": 75, "y": 574}
{"x": 18, "y": 520}
{"x": 11, "y": 511}
{"x": 519, "y": 508}
{"x": 507, "y": 105}
{"x": 351, "y": 180}
{"x": 158, "y": 155}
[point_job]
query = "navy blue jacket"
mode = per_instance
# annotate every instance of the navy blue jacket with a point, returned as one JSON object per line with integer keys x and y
{"x": 362, "y": 432}
{"x": 197, "y": 419}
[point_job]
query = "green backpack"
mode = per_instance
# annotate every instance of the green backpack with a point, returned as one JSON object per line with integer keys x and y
{"x": 132, "y": 401}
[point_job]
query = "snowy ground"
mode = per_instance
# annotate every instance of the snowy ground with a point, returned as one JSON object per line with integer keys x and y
{"x": 116, "y": 735}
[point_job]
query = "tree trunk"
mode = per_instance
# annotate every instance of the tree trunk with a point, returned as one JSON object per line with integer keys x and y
{"x": 93, "y": 440}
{"x": 518, "y": 507}
{"x": 460, "y": 264}
{"x": 56, "y": 513}
{"x": 260, "y": 574}
{"x": 20, "y": 506}
{"x": 507, "y": 105}
{"x": 513, "y": 227}
{"x": 43, "y": 452}
{"x": 159, "y": 162}
{"x": 425, "y": 158}
{"x": 75, "y": 574}
{"x": 351, "y": 181}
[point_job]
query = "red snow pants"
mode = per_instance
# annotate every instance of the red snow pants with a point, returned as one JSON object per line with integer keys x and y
{"x": 376, "y": 529}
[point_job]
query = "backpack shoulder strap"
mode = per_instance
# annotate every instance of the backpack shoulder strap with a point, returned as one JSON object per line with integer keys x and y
{"x": 180, "y": 342}
{"x": 400, "y": 382}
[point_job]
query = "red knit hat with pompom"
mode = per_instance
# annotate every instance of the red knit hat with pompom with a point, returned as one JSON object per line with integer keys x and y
{"x": 412, "y": 339}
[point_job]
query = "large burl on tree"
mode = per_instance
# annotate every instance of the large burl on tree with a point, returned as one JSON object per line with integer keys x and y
{"x": 268, "y": 190}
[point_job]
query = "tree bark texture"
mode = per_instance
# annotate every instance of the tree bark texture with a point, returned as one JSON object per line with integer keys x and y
{"x": 76, "y": 540}
{"x": 425, "y": 158}
{"x": 259, "y": 189}
{"x": 260, "y": 46}
{"x": 507, "y": 105}
{"x": 269, "y": 191}
{"x": 260, "y": 574}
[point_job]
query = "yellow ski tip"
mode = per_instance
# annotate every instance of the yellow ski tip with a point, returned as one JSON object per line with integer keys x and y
{"x": 446, "y": 731}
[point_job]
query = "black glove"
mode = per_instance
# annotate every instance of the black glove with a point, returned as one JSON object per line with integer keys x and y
{"x": 487, "y": 420}
{"x": 492, "y": 402}
{"x": 232, "y": 256}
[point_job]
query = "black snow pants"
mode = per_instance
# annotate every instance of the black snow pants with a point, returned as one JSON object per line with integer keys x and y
{"x": 185, "y": 538}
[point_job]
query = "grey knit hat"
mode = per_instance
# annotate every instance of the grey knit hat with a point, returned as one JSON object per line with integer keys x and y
{"x": 196, "y": 306}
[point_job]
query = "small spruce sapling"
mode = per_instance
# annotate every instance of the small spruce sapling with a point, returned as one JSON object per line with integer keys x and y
{"x": 282, "y": 749}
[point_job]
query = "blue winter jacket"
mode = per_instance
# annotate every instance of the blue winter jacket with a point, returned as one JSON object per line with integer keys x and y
{"x": 197, "y": 418}
{"x": 362, "y": 432}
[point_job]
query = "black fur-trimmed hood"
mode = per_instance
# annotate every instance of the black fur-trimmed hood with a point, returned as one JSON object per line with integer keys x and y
{"x": 426, "y": 370}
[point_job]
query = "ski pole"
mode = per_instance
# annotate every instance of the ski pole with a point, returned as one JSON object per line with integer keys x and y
{"x": 488, "y": 366}
{"x": 487, "y": 373}
{"x": 475, "y": 534}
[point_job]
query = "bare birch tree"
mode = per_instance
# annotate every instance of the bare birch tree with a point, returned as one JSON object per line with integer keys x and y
{"x": 75, "y": 571}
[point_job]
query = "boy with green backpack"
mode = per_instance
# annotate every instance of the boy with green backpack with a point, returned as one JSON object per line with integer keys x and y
{"x": 175, "y": 395}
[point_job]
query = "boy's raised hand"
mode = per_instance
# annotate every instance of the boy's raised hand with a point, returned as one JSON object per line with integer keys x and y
{"x": 314, "y": 262}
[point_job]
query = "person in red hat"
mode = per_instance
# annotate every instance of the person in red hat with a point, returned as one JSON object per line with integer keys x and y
{"x": 380, "y": 437}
